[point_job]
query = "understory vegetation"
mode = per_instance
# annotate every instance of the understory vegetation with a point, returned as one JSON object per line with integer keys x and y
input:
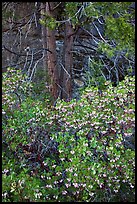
{"x": 80, "y": 150}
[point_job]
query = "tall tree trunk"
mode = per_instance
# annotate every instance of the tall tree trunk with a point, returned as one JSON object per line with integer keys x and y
{"x": 68, "y": 62}
{"x": 51, "y": 56}
{"x": 43, "y": 37}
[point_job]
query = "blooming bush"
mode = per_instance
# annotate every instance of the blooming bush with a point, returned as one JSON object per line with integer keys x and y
{"x": 76, "y": 151}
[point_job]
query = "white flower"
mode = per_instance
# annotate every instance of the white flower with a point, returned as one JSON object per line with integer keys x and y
{"x": 21, "y": 182}
{"x": 90, "y": 186}
{"x": 67, "y": 185}
{"x": 72, "y": 152}
{"x": 49, "y": 186}
{"x": 60, "y": 151}
{"x": 91, "y": 194}
{"x": 55, "y": 197}
{"x": 4, "y": 194}
{"x": 70, "y": 170}
{"x": 63, "y": 110}
{"x": 131, "y": 186}
{"x": 86, "y": 144}
{"x": 45, "y": 163}
{"x": 50, "y": 122}
{"x": 64, "y": 192}
{"x": 37, "y": 195}
{"x": 75, "y": 185}
{"x": 5, "y": 171}
{"x": 58, "y": 173}
{"x": 101, "y": 185}
{"x": 89, "y": 153}
{"x": 68, "y": 179}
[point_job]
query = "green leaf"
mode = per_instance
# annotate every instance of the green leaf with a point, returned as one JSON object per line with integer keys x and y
{"x": 93, "y": 143}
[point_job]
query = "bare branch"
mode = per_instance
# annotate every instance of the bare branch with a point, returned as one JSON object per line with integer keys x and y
{"x": 30, "y": 24}
{"x": 68, "y": 20}
{"x": 62, "y": 89}
{"x": 28, "y": 72}
{"x": 100, "y": 21}
{"x": 24, "y": 54}
{"x": 56, "y": 6}
{"x": 65, "y": 70}
{"x": 99, "y": 33}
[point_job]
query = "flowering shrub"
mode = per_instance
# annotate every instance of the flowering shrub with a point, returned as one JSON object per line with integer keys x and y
{"x": 77, "y": 151}
{"x": 94, "y": 153}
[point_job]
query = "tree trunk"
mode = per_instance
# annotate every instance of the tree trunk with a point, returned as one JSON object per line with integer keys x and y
{"x": 43, "y": 37}
{"x": 68, "y": 62}
{"x": 51, "y": 56}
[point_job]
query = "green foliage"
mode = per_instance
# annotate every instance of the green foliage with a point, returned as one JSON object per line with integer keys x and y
{"x": 48, "y": 21}
{"x": 88, "y": 157}
{"x": 40, "y": 87}
{"x": 19, "y": 88}
{"x": 122, "y": 32}
{"x": 71, "y": 9}
{"x": 106, "y": 49}
{"x": 19, "y": 106}
{"x": 96, "y": 77}
{"x": 20, "y": 187}
{"x": 92, "y": 10}
{"x": 118, "y": 27}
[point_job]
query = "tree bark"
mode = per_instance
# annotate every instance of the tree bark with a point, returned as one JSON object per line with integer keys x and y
{"x": 43, "y": 37}
{"x": 68, "y": 62}
{"x": 51, "y": 56}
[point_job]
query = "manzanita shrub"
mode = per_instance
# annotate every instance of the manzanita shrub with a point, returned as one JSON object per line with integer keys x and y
{"x": 76, "y": 151}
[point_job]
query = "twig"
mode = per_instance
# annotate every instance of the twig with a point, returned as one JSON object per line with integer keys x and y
{"x": 24, "y": 54}
{"x": 56, "y": 6}
{"x": 99, "y": 33}
{"x": 65, "y": 70}
{"x": 30, "y": 20}
{"x": 62, "y": 89}
{"x": 26, "y": 61}
{"x": 30, "y": 63}
{"x": 34, "y": 68}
